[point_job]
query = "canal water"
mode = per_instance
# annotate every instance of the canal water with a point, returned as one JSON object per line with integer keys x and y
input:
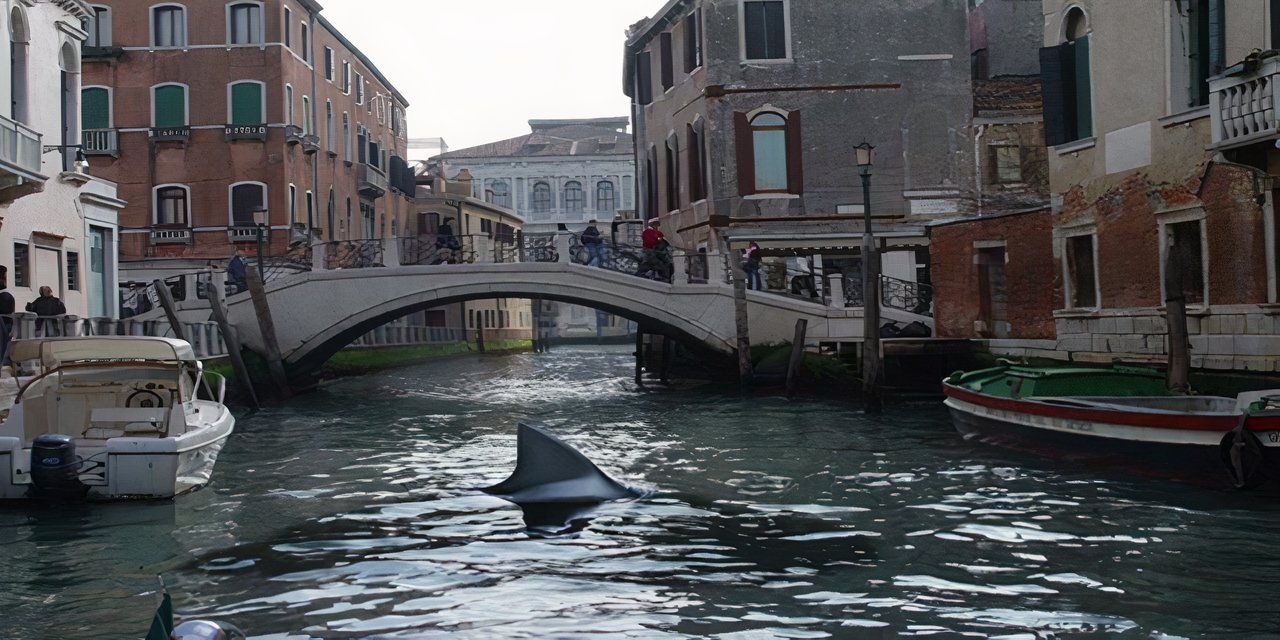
{"x": 351, "y": 513}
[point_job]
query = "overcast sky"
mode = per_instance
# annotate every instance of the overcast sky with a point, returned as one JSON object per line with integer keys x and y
{"x": 476, "y": 71}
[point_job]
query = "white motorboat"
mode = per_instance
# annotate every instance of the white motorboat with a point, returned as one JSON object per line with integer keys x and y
{"x": 112, "y": 418}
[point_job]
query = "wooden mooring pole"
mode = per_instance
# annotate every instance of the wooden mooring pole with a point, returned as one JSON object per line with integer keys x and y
{"x": 232, "y": 338}
{"x": 258, "y": 292}
{"x": 796, "y": 365}
{"x": 639, "y": 357}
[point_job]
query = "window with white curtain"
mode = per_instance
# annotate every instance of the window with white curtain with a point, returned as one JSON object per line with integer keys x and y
{"x": 244, "y": 23}
{"x": 169, "y": 26}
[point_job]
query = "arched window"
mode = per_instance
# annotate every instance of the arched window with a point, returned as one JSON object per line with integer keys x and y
{"x": 606, "y": 198}
{"x": 172, "y": 205}
{"x": 1066, "y": 73}
{"x": 244, "y": 23}
{"x": 574, "y": 200}
{"x": 346, "y": 137}
{"x": 246, "y": 198}
{"x": 305, "y": 41}
{"x": 500, "y": 193}
{"x": 169, "y": 106}
{"x": 19, "y": 35}
{"x": 288, "y": 104}
{"x": 541, "y": 197}
{"x": 168, "y": 26}
{"x": 769, "y": 142}
{"x": 306, "y": 115}
{"x": 331, "y": 230}
{"x": 95, "y": 108}
{"x": 245, "y": 103}
{"x": 328, "y": 128}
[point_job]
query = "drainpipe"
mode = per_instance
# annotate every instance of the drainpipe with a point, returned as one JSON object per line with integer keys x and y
{"x": 315, "y": 98}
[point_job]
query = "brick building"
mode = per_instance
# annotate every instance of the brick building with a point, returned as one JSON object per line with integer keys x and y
{"x": 207, "y": 112}
{"x": 1166, "y": 162}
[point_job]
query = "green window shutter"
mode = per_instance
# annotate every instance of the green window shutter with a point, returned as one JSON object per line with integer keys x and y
{"x": 246, "y": 104}
{"x": 1084, "y": 90}
{"x": 171, "y": 107}
{"x": 95, "y": 109}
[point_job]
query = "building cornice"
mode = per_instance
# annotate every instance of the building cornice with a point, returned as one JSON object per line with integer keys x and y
{"x": 78, "y": 8}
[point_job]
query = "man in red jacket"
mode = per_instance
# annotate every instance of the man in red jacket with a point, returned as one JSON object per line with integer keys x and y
{"x": 656, "y": 253}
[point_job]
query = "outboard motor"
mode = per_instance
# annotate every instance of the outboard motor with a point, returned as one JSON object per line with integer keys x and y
{"x": 55, "y": 467}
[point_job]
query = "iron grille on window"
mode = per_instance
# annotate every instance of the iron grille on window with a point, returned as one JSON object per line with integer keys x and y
{"x": 21, "y": 264}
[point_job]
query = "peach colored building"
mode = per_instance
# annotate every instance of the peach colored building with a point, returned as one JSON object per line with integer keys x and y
{"x": 208, "y": 112}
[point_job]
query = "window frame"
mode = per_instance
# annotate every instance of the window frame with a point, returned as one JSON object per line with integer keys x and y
{"x": 151, "y": 19}
{"x": 111, "y": 106}
{"x": 286, "y": 25}
{"x": 95, "y": 34}
{"x": 613, "y": 196}
{"x": 304, "y": 38}
{"x": 1164, "y": 223}
{"x": 346, "y": 77}
{"x": 534, "y": 192}
{"x": 262, "y": 99}
{"x": 231, "y": 201}
{"x": 71, "y": 260}
{"x": 289, "y": 120}
{"x": 694, "y": 53}
{"x": 1068, "y": 291}
{"x": 186, "y": 103}
{"x": 755, "y": 149}
{"x": 996, "y": 177}
{"x": 261, "y": 35}
{"x": 22, "y": 268}
{"x": 786, "y": 34}
{"x": 579, "y": 205}
{"x": 503, "y": 199}
{"x": 330, "y": 62}
{"x": 671, "y": 172}
{"x": 155, "y": 205}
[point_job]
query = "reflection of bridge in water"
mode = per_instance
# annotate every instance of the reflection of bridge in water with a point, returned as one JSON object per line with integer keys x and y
{"x": 324, "y": 297}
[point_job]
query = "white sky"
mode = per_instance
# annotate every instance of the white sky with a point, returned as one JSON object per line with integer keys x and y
{"x": 477, "y": 71}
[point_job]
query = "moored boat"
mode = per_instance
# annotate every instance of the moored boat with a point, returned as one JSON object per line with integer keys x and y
{"x": 112, "y": 418}
{"x": 1121, "y": 414}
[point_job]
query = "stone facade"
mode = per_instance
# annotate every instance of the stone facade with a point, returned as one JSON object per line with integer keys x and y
{"x": 58, "y": 225}
{"x": 329, "y": 129}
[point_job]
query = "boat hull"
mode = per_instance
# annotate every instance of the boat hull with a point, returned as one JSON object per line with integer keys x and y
{"x": 1186, "y": 451}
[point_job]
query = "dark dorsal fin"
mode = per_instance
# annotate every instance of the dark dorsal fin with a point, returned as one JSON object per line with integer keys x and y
{"x": 549, "y": 471}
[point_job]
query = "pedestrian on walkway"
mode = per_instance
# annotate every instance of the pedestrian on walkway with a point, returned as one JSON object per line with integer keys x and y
{"x": 7, "y": 308}
{"x": 594, "y": 245}
{"x": 47, "y": 308}
{"x": 751, "y": 265}
{"x": 657, "y": 253}
{"x": 238, "y": 273}
{"x": 447, "y": 244}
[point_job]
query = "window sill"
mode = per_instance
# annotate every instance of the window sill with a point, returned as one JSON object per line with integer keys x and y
{"x": 1078, "y": 313}
{"x": 1077, "y": 146}
{"x": 769, "y": 61}
{"x": 771, "y": 196}
{"x": 1185, "y": 117}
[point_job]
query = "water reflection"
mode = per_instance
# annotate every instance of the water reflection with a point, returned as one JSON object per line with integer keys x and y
{"x": 352, "y": 513}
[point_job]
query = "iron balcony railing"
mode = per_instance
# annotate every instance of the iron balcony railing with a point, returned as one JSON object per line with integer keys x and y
{"x": 101, "y": 142}
{"x": 170, "y": 236}
{"x": 903, "y": 295}
{"x": 372, "y": 180}
{"x": 20, "y": 146}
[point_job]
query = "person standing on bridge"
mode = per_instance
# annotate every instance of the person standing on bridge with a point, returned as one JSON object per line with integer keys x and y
{"x": 657, "y": 252}
{"x": 447, "y": 243}
{"x": 594, "y": 245}
{"x": 751, "y": 265}
{"x": 238, "y": 273}
{"x": 48, "y": 308}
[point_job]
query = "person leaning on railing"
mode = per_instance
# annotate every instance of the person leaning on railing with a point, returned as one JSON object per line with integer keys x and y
{"x": 47, "y": 308}
{"x": 595, "y": 246}
{"x": 7, "y": 308}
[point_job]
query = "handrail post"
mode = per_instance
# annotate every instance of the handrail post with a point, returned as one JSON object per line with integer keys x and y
{"x": 680, "y": 266}
{"x": 835, "y": 285}
{"x": 716, "y": 268}
{"x": 391, "y": 252}
{"x": 318, "y": 260}
{"x": 563, "y": 251}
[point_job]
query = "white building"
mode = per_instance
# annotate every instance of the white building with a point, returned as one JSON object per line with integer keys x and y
{"x": 561, "y": 175}
{"x": 422, "y": 150}
{"x": 58, "y": 225}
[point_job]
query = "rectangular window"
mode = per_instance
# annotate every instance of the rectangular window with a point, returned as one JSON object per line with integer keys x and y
{"x": 245, "y": 24}
{"x": 980, "y": 61}
{"x": 346, "y": 77}
{"x": 306, "y": 115}
{"x": 1068, "y": 92}
{"x": 99, "y": 28}
{"x": 246, "y": 104}
{"x": 305, "y": 41}
{"x": 1081, "y": 273}
{"x": 668, "y": 70}
{"x": 21, "y": 264}
{"x": 764, "y": 29}
{"x": 170, "y": 107}
{"x": 73, "y": 271}
{"x": 311, "y": 209}
{"x": 287, "y": 28}
{"x": 644, "y": 78}
{"x": 169, "y": 25}
{"x": 673, "y": 175}
{"x": 1007, "y": 164}
{"x": 693, "y": 41}
{"x": 328, "y": 64}
{"x": 1186, "y": 244}
{"x": 293, "y": 203}
{"x": 95, "y": 108}
{"x": 359, "y": 89}
{"x": 172, "y": 207}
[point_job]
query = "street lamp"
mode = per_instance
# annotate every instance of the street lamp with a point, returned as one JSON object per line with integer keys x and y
{"x": 260, "y": 221}
{"x": 81, "y": 164}
{"x": 866, "y": 157}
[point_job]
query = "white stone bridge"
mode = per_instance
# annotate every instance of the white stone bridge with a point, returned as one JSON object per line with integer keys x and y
{"x": 318, "y": 309}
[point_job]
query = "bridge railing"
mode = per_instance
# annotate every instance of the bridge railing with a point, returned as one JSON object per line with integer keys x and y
{"x": 355, "y": 254}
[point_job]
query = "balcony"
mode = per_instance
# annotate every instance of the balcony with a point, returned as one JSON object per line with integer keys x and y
{"x": 243, "y": 234}
{"x": 1242, "y": 104}
{"x": 372, "y": 182}
{"x": 20, "y": 161}
{"x": 293, "y": 134}
{"x": 170, "y": 134}
{"x": 310, "y": 144}
{"x": 170, "y": 236}
{"x": 101, "y": 142}
{"x": 236, "y": 132}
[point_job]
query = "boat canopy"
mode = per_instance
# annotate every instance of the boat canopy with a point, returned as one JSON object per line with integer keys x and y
{"x": 56, "y": 352}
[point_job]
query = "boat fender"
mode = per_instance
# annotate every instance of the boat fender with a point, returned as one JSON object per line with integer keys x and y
{"x": 55, "y": 467}
{"x": 1243, "y": 456}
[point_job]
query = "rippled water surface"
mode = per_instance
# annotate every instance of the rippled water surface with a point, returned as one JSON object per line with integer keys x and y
{"x": 350, "y": 514}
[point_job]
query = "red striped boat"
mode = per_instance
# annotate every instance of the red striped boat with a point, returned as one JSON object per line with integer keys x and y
{"x": 1121, "y": 414}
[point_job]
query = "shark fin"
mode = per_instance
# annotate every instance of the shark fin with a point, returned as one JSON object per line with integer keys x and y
{"x": 548, "y": 471}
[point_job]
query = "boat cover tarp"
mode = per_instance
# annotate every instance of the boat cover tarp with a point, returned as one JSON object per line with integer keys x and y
{"x": 59, "y": 351}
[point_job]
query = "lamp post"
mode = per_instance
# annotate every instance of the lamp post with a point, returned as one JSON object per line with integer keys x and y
{"x": 866, "y": 156}
{"x": 81, "y": 164}
{"x": 260, "y": 221}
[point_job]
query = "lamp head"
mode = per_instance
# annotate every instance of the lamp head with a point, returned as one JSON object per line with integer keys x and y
{"x": 82, "y": 162}
{"x": 260, "y": 216}
{"x": 866, "y": 156}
